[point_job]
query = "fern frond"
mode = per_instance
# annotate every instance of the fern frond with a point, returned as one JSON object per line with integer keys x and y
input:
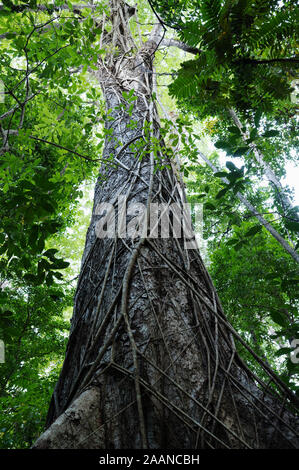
{"x": 211, "y": 10}
{"x": 281, "y": 26}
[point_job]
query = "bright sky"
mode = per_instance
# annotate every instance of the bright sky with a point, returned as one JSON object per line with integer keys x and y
{"x": 292, "y": 180}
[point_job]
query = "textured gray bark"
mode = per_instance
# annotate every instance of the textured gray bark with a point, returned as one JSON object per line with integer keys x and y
{"x": 150, "y": 351}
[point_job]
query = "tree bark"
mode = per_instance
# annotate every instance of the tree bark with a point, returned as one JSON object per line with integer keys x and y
{"x": 151, "y": 361}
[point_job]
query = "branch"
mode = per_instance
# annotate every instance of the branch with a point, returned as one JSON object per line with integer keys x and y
{"x": 35, "y": 68}
{"x": 68, "y": 150}
{"x": 46, "y": 27}
{"x": 267, "y": 61}
{"x": 159, "y": 19}
{"x": 8, "y": 113}
{"x": 181, "y": 45}
{"x": 116, "y": 162}
{"x": 47, "y": 8}
{"x": 16, "y": 132}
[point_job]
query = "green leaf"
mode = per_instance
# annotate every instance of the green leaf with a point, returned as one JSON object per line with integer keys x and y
{"x": 239, "y": 245}
{"x": 240, "y": 151}
{"x": 40, "y": 277}
{"x": 50, "y": 253}
{"x": 40, "y": 243}
{"x": 271, "y": 133}
{"x": 57, "y": 274}
{"x": 10, "y": 36}
{"x": 60, "y": 264}
{"x": 257, "y": 117}
{"x": 29, "y": 215}
{"x": 234, "y": 175}
{"x": 221, "y": 174}
{"x": 234, "y": 130}
{"x": 30, "y": 278}
{"x": 33, "y": 234}
{"x": 6, "y": 13}
{"x": 283, "y": 351}
{"x": 253, "y": 134}
{"x": 26, "y": 262}
{"x": 232, "y": 241}
{"x": 279, "y": 318}
{"x": 221, "y": 193}
{"x": 49, "y": 279}
{"x": 253, "y": 231}
{"x": 222, "y": 144}
{"x": 292, "y": 225}
{"x": 209, "y": 206}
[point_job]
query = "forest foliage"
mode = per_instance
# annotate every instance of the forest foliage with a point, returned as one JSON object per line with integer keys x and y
{"x": 244, "y": 64}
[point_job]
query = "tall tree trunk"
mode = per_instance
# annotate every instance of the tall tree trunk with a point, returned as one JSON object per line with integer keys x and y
{"x": 151, "y": 361}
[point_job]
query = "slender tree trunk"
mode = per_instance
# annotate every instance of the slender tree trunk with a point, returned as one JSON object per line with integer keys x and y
{"x": 151, "y": 361}
{"x": 283, "y": 196}
{"x": 285, "y": 245}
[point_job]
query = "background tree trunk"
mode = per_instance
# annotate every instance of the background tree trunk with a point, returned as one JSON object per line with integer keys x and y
{"x": 151, "y": 361}
{"x": 282, "y": 194}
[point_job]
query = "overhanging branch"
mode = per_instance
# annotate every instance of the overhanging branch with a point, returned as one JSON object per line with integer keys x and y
{"x": 181, "y": 45}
